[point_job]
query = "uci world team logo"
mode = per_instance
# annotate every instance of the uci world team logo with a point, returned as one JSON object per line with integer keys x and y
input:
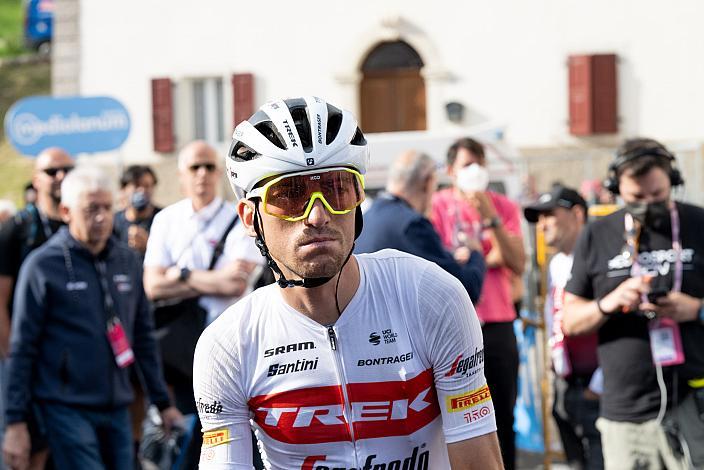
{"x": 374, "y": 338}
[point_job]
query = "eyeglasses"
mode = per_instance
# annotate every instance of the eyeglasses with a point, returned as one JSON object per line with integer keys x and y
{"x": 209, "y": 167}
{"x": 55, "y": 171}
{"x": 291, "y": 197}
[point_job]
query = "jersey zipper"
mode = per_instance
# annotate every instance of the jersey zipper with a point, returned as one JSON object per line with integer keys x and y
{"x": 347, "y": 410}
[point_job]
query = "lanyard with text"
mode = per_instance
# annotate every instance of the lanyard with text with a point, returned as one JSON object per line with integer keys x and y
{"x": 116, "y": 333}
{"x": 45, "y": 224}
{"x": 665, "y": 338}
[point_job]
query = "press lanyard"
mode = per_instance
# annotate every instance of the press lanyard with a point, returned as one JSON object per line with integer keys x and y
{"x": 461, "y": 230}
{"x": 665, "y": 338}
{"x": 45, "y": 224}
{"x": 124, "y": 356}
{"x": 108, "y": 302}
{"x": 633, "y": 234}
{"x": 201, "y": 230}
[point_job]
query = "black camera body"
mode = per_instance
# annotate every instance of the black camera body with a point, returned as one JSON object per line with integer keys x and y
{"x": 657, "y": 293}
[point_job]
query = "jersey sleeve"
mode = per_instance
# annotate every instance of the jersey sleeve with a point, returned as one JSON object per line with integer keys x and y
{"x": 157, "y": 254}
{"x": 221, "y": 403}
{"x": 580, "y": 280}
{"x": 455, "y": 349}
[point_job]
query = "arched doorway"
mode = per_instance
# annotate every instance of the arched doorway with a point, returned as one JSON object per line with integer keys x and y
{"x": 392, "y": 91}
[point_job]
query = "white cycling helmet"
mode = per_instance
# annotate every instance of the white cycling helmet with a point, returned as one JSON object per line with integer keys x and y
{"x": 292, "y": 135}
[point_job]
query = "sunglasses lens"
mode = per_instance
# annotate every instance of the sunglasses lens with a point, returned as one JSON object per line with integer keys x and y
{"x": 55, "y": 171}
{"x": 209, "y": 167}
{"x": 289, "y": 197}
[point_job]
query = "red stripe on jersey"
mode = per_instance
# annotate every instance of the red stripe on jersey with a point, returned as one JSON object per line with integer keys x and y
{"x": 378, "y": 409}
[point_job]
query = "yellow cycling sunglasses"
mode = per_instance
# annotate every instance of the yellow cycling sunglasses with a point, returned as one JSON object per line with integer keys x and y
{"x": 291, "y": 197}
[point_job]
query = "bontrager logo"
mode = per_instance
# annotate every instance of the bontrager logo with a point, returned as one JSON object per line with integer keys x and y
{"x": 375, "y": 339}
{"x": 289, "y": 348}
{"x": 416, "y": 461}
{"x": 464, "y": 366}
{"x": 298, "y": 366}
{"x": 320, "y": 129}
{"x": 380, "y": 361}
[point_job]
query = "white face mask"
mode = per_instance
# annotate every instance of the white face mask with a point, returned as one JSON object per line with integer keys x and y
{"x": 473, "y": 177}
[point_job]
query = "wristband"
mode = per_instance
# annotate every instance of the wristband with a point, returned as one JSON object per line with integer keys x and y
{"x": 598, "y": 305}
{"x": 701, "y": 313}
{"x": 493, "y": 222}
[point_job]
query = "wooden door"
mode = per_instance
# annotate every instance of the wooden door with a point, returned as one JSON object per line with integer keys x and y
{"x": 392, "y": 100}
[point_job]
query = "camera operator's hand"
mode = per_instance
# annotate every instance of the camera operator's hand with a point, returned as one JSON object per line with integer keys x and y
{"x": 676, "y": 305}
{"x": 626, "y": 297}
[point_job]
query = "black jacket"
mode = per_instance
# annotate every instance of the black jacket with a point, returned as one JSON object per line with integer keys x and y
{"x": 59, "y": 351}
{"x": 392, "y": 223}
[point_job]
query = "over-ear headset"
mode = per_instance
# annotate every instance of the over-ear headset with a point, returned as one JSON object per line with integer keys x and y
{"x": 623, "y": 157}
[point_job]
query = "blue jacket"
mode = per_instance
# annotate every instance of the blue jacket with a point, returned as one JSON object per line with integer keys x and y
{"x": 60, "y": 351}
{"x": 392, "y": 223}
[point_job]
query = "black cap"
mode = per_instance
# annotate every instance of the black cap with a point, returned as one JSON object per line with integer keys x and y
{"x": 559, "y": 196}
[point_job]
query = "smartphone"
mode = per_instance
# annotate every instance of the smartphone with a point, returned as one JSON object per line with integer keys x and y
{"x": 657, "y": 293}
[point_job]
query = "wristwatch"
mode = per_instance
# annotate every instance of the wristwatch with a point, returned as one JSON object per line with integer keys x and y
{"x": 184, "y": 274}
{"x": 493, "y": 222}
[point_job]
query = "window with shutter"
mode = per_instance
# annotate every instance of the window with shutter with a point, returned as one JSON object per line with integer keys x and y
{"x": 243, "y": 96}
{"x": 593, "y": 97}
{"x": 162, "y": 115}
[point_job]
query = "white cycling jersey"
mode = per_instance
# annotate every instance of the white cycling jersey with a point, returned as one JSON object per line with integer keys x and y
{"x": 396, "y": 378}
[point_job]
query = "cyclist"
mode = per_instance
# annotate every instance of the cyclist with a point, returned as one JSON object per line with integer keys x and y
{"x": 370, "y": 361}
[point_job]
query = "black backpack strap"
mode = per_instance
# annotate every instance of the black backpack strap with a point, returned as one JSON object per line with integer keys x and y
{"x": 220, "y": 247}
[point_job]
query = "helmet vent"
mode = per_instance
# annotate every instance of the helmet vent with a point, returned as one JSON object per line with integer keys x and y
{"x": 334, "y": 123}
{"x": 300, "y": 119}
{"x": 358, "y": 138}
{"x": 267, "y": 129}
{"x": 242, "y": 153}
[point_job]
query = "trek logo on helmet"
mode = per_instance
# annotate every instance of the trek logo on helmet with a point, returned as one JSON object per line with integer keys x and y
{"x": 291, "y": 136}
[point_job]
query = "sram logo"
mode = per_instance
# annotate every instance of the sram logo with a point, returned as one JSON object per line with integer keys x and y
{"x": 289, "y": 348}
{"x": 378, "y": 409}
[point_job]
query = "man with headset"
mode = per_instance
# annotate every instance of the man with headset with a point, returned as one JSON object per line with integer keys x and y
{"x": 347, "y": 361}
{"x": 638, "y": 279}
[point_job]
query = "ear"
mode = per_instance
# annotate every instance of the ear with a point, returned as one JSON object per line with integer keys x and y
{"x": 65, "y": 213}
{"x": 245, "y": 210}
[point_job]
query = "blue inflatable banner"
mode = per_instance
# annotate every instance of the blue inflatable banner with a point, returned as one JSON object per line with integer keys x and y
{"x": 528, "y": 419}
{"x": 76, "y": 124}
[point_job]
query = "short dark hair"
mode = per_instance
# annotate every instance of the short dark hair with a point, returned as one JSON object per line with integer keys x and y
{"x": 468, "y": 144}
{"x": 641, "y": 155}
{"x": 134, "y": 173}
